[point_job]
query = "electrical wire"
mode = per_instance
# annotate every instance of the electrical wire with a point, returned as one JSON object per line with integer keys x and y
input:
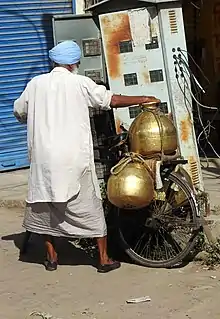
{"x": 194, "y": 83}
{"x": 204, "y": 132}
{"x": 202, "y": 105}
{"x": 186, "y": 99}
{"x": 208, "y": 126}
{"x": 203, "y": 129}
{"x": 182, "y": 71}
{"x": 193, "y": 60}
{"x": 192, "y": 77}
{"x": 183, "y": 68}
{"x": 194, "y": 5}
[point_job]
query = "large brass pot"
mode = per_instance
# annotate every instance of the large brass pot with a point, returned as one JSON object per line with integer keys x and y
{"x": 131, "y": 187}
{"x": 152, "y": 132}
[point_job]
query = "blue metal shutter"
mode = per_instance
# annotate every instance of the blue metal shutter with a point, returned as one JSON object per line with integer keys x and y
{"x": 25, "y": 38}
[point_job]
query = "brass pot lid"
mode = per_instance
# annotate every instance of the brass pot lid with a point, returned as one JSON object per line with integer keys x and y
{"x": 149, "y": 106}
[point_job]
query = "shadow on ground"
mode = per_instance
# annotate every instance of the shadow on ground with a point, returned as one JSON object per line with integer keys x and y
{"x": 68, "y": 253}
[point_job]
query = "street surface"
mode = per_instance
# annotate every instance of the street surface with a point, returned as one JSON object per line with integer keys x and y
{"x": 77, "y": 291}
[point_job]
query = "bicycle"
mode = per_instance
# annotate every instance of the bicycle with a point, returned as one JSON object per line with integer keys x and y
{"x": 164, "y": 233}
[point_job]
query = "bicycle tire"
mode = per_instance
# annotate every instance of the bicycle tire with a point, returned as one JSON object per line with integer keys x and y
{"x": 176, "y": 178}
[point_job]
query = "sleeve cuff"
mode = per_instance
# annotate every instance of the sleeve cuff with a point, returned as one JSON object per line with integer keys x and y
{"x": 106, "y": 105}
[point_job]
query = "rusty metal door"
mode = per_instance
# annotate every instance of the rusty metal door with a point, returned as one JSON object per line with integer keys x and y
{"x": 134, "y": 57}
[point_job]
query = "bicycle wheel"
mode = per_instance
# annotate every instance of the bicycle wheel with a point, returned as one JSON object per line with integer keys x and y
{"x": 164, "y": 233}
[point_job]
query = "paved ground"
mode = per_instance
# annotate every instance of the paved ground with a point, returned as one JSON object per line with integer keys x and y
{"x": 13, "y": 188}
{"x": 77, "y": 291}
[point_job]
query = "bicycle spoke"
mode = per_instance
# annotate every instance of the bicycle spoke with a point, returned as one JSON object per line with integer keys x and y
{"x": 164, "y": 229}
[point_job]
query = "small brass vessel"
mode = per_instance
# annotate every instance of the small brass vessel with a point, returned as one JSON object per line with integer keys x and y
{"x": 152, "y": 132}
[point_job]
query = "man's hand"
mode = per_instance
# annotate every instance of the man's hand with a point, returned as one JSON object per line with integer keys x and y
{"x": 152, "y": 99}
{"x": 125, "y": 101}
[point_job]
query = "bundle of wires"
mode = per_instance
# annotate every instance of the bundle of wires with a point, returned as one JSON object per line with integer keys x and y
{"x": 183, "y": 75}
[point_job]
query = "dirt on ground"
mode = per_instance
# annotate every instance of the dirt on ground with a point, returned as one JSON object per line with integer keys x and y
{"x": 76, "y": 290}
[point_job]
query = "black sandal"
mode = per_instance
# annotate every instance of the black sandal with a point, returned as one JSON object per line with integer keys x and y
{"x": 103, "y": 269}
{"x": 50, "y": 266}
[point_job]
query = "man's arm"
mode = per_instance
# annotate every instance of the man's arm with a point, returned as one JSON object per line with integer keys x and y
{"x": 21, "y": 107}
{"x": 99, "y": 97}
{"x": 118, "y": 101}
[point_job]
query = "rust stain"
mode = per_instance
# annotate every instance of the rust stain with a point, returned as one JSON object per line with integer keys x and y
{"x": 153, "y": 30}
{"x": 185, "y": 127}
{"x": 115, "y": 28}
{"x": 146, "y": 77}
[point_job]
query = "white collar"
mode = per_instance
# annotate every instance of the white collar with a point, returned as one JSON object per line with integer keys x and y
{"x": 60, "y": 69}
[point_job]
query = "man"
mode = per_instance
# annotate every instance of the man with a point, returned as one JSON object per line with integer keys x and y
{"x": 64, "y": 199}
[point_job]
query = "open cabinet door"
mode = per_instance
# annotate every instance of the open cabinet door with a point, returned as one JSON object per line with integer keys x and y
{"x": 84, "y": 30}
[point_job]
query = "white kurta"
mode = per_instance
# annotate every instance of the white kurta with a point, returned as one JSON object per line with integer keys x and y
{"x": 59, "y": 134}
{"x": 63, "y": 193}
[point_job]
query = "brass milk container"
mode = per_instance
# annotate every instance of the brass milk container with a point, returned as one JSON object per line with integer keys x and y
{"x": 152, "y": 132}
{"x": 130, "y": 186}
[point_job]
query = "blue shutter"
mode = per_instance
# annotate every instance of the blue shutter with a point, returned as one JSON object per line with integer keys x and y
{"x": 25, "y": 38}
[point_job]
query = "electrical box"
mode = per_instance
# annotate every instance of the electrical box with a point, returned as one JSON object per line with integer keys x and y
{"x": 139, "y": 52}
{"x": 83, "y": 30}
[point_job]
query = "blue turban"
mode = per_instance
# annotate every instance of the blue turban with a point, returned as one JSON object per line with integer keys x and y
{"x": 66, "y": 52}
